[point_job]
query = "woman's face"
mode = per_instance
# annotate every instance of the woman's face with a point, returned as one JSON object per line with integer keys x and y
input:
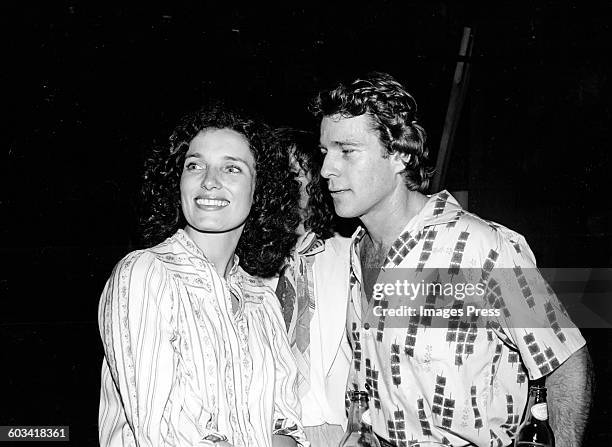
{"x": 304, "y": 179}
{"x": 218, "y": 181}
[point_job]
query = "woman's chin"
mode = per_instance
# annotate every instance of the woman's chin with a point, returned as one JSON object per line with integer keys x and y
{"x": 214, "y": 227}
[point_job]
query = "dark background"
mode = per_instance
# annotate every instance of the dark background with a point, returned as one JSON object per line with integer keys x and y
{"x": 89, "y": 87}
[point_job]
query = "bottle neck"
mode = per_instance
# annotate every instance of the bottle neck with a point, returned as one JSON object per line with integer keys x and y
{"x": 359, "y": 405}
{"x": 539, "y": 395}
{"x": 537, "y": 405}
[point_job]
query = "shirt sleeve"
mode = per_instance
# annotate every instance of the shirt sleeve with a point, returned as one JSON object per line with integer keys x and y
{"x": 287, "y": 409}
{"x": 532, "y": 319}
{"x": 144, "y": 402}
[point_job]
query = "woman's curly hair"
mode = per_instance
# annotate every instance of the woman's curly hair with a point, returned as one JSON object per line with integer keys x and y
{"x": 393, "y": 112}
{"x": 269, "y": 231}
{"x": 303, "y": 147}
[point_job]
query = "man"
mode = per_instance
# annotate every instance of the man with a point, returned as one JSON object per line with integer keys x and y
{"x": 426, "y": 383}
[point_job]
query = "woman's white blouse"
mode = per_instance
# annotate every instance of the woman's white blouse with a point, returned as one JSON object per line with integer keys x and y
{"x": 180, "y": 367}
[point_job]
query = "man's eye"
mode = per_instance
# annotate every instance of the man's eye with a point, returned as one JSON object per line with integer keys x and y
{"x": 323, "y": 150}
{"x": 348, "y": 151}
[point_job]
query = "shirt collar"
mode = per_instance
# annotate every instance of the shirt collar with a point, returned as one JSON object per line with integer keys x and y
{"x": 309, "y": 244}
{"x": 441, "y": 208}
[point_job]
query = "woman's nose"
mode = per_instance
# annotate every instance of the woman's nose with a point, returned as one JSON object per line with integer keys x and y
{"x": 211, "y": 179}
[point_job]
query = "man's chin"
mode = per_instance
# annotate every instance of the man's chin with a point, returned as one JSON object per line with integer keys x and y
{"x": 345, "y": 213}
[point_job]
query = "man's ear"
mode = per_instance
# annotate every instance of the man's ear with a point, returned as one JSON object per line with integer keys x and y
{"x": 400, "y": 161}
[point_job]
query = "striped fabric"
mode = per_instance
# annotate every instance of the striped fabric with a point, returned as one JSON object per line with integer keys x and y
{"x": 295, "y": 291}
{"x": 180, "y": 368}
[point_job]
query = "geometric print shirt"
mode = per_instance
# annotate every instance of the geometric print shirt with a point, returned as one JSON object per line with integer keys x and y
{"x": 456, "y": 383}
{"x": 180, "y": 367}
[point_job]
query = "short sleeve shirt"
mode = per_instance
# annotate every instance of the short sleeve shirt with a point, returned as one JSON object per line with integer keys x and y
{"x": 457, "y": 385}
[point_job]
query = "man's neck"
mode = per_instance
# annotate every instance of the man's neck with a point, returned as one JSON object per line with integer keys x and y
{"x": 386, "y": 223}
{"x": 383, "y": 227}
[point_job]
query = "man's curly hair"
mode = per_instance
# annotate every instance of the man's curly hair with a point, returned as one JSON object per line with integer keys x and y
{"x": 269, "y": 231}
{"x": 303, "y": 146}
{"x": 393, "y": 113}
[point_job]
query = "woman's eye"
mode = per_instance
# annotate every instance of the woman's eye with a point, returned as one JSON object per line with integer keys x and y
{"x": 323, "y": 151}
{"x": 233, "y": 169}
{"x": 348, "y": 151}
{"x": 193, "y": 166}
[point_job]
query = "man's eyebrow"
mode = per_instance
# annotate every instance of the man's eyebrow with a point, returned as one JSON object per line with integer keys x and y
{"x": 193, "y": 154}
{"x": 345, "y": 143}
{"x": 340, "y": 143}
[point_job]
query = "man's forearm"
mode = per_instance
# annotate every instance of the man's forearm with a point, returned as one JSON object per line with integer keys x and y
{"x": 282, "y": 441}
{"x": 569, "y": 390}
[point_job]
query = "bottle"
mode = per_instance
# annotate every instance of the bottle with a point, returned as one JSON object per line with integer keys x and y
{"x": 359, "y": 429}
{"x": 535, "y": 430}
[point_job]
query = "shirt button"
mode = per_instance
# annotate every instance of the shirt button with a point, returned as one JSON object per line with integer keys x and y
{"x": 366, "y": 326}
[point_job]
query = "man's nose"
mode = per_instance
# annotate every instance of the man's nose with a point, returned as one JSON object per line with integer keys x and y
{"x": 210, "y": 179}
{"x": 329, "y": 167}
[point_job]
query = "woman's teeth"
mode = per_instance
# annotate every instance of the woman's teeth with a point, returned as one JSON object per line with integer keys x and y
{"x": 212, "y": 202}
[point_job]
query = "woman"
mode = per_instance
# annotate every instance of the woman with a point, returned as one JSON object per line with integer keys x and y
{"x": 313, "y": 291}
{"x": 195, "y": 350}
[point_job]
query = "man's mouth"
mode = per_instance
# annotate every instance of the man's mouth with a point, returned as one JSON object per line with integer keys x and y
{"x": 337, "y": 191}
{"x": 215, "y": 203}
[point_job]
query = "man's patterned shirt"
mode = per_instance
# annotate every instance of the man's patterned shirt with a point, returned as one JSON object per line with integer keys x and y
{"x": 461, "y": 383}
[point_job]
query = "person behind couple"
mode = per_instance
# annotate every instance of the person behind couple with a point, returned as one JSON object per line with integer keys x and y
{"x": 313, "y": 292}
{"x": 440, "y": 384}
{"x": 195, "y": 347}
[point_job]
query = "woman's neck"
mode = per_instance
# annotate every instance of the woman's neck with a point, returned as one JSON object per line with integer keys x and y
{"x": 218, "y": 248}
{"x": 301, "y": 230}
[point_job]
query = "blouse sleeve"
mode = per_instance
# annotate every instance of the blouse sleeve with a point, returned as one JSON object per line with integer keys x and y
{"x": 134, "y": 318}
{"x": 286, "y": 405}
